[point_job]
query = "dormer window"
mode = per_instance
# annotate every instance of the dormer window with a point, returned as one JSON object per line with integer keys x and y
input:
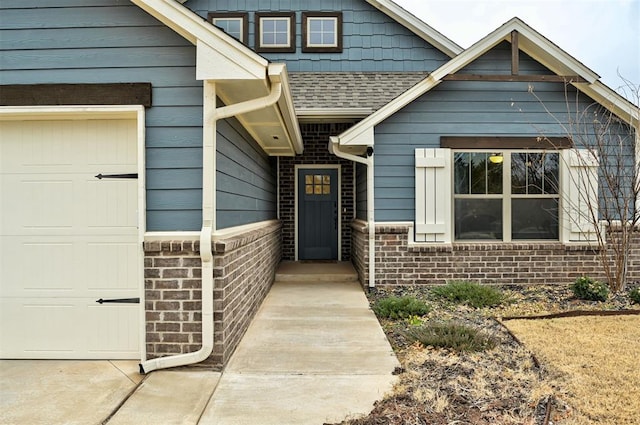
{"x": 234, "y": 24}
{"x": 275, "y": 32}
{"x": 321, "y": 32}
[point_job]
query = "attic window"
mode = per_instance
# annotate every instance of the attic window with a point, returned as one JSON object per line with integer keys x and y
{"x": 321, "y": 32}
{"x": 234, "y": 24}
{"x": 275, "y": 32}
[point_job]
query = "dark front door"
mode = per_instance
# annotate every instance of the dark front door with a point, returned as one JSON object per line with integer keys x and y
{"x": 318, "y": 214}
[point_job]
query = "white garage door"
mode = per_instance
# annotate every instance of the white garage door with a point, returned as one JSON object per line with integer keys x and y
{"x": 68, "y": 239}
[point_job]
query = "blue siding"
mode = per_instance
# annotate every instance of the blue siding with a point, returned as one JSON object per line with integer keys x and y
{"x": 107, "y": 41}
{"x": 463, "y": 109}
{"x": 372, "y": 41}
{"x": 246, "y": 178}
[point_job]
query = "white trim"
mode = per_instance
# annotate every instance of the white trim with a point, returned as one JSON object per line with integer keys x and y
{"x": 289, "y": 22}
{"x": 239, "y": 230}
{"x": 532, "y": 43}
{"x": 296, "y": 201}
{"x": 339, "y": 113}
{"x": 193, "y": 28}
{"x": 136, "y": 112}
{"x": 171, "y": 236}
{"x": 322, "y": 18}
{"x": 241, "y": 20}
{"x": 10, "y": 113}
{"x": 417, "y": 26}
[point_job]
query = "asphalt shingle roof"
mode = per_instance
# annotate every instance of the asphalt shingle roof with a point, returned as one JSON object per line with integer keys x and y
{"x": 335, "y": 90}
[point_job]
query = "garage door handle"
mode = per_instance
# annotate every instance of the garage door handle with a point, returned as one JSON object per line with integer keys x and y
{"x": 117, "y": 176}
{"x": 120, "y": 301}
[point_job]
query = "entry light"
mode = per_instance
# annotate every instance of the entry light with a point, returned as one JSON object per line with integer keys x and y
{"x": 496, "y": 158}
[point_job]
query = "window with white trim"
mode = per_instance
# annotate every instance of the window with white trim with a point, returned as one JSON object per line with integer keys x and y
{"x": 275, "y": 32}
{"x": 506, "y": 195}
{"x": 321, "y": 32}
{"x": 234, "y": 24}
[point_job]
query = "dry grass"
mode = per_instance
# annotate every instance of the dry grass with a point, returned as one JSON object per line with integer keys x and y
{"x": 594, "y": 365}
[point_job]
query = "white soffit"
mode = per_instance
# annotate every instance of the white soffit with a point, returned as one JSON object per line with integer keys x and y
{"x": 240, "y": 74}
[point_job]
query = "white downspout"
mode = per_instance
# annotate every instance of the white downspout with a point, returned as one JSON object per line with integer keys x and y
{"x": 334, "y": 148}
{"x": 211, "y": 115}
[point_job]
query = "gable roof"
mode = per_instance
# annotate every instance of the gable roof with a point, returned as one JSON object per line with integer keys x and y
{"x": 532, "y": 43}
{"x": 240, "y": 74}
{"x": 417, "y": 26}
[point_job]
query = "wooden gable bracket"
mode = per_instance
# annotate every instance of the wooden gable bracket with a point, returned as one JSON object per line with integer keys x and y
{"x": 515, "y": 71}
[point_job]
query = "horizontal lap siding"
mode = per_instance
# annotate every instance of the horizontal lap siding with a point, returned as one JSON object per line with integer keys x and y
{"x": 457, "y": 108}
{"x": 372, "y": 41}
{"x": 106, "y": 41}
{"x": 246, "y": 178}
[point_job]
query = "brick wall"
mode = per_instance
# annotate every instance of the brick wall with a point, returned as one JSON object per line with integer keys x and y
{"x": 244, "y": 270}
{"x": 316, "y": 141}
{"x": 172, "y": 297}
{"x": 487, "y": 263}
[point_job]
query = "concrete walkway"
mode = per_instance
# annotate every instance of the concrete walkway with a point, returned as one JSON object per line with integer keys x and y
{"x": 314, "y": 353}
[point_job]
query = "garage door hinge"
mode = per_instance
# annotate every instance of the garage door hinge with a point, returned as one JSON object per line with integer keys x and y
{"x": 117, "y": 176}
{"x": 120, "y": 301}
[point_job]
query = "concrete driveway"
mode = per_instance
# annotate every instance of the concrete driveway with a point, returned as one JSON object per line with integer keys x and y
{"x": 63, "y": 392}
{"x": 315, "y": 353}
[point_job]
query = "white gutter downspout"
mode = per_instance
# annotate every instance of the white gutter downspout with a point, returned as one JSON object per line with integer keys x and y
{"x": 211, "y": 115}
{"x": 334, "y": 148}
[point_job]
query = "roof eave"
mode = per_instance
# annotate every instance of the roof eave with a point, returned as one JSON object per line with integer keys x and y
{"x": 531, "y": 42}
{"x": 230, "y": 64}
{"x": 417, "y": 26}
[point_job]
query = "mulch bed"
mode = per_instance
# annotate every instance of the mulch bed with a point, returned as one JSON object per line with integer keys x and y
{"x": 505, "y": 385}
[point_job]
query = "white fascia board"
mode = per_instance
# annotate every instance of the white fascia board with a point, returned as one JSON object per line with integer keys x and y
{"x": 278, "y": 73}
{"x": 613, "y": 102}
{"x": 212, "y": 64}
{"x": 339, "y": 113}
{"x": 463, "y": 59}
{"x": 194, "y": 29}
{"x": 417, "y": 26}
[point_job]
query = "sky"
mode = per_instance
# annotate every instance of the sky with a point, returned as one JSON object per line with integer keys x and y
{"x": 602, "y": 34}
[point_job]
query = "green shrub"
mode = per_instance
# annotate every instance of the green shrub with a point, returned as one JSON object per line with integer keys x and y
{"x": 471, "y": 294}
{"x": 400, "y": 307}
{"x": 635, "y": 295}
{"x": 588, "y": 289}
{"x": 454, "y": 336}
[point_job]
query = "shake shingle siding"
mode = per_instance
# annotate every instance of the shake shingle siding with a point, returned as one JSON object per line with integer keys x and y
{"x": 372, "y": 41}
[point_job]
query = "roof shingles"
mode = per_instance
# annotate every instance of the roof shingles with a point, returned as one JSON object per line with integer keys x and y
{"x": 342, "y": 90}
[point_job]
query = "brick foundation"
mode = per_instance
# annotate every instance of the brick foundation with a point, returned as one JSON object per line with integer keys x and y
{"x": 486, "y": 263}
{"x": 316, "y": 151}
{"x": 244, "y": 270}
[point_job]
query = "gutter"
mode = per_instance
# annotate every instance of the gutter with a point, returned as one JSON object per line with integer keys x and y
{"x": 334, "y": 148}
{"x": 211, "y": 116}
